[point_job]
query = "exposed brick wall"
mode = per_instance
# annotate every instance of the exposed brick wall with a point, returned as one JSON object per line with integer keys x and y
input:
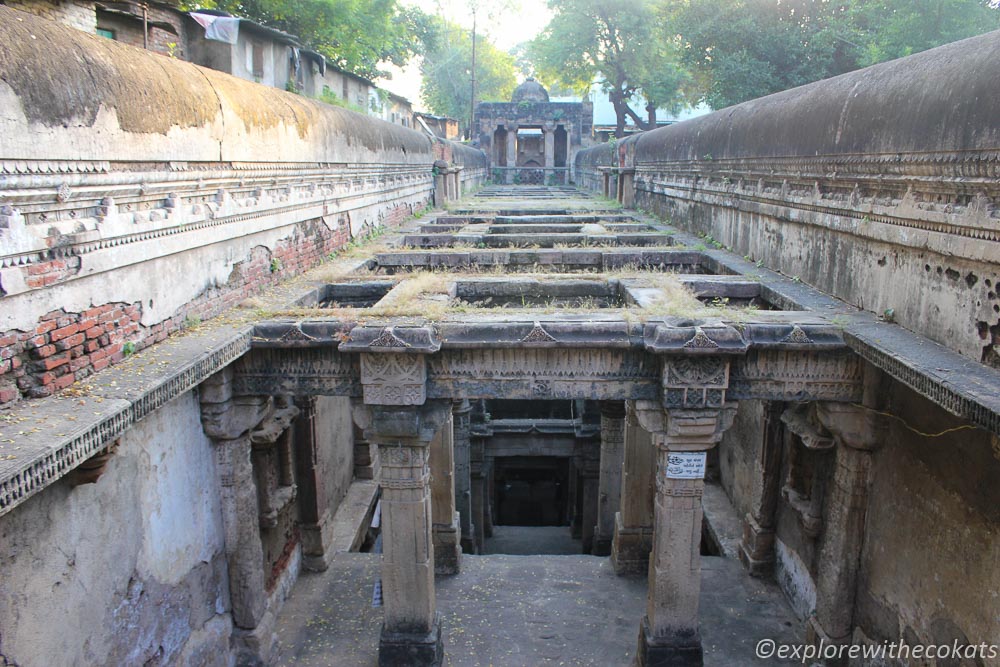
{"x": 79, "y": 15}
{"x": 65, "y": 347}
{"x": 128, "y": 30}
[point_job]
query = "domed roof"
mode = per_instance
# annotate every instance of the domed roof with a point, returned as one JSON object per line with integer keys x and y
{"x": 530, "y": 91}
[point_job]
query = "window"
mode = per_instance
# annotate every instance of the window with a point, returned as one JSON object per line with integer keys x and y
{"x": 104, "y": 32}
{"x": 255, "y": 60}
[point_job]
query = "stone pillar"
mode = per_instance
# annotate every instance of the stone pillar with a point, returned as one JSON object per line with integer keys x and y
{"x": 839, "y": 552}
{"x": 478, "y": 484}
{"x": 550, "y": 148}
{"x": 228, "y": 420}
{"x": 575, "y": 501}
{"x": 313, "y": 506}
{"x": 411, "y": 632}
{"x": 489, "y": 493}
{"x": 511, "y": 153}
{"x": 633, "y": 537}
{"x": 669, "y": 634}
{"x": 610, "y": 481}
{"x": 461, "y": 413}
{"x": 757, "y": 545}
{"x": 589, "y": 490}
{"x": 445, "y": 518}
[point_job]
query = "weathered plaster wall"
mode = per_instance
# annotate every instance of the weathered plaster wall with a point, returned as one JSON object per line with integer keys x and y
{"x": 129, "y": 570}
{"x": 930, "y": 568}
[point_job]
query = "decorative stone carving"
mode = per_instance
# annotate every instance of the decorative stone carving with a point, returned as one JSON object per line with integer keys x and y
{"x": 394, "y": 379}
{"x": 695, "y": 382}
{"x": 538, "y": 335}
{"x": 792, "y": 375}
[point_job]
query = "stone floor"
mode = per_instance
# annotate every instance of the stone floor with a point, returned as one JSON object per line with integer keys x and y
{"x": 533, "y": 541}
{"x": 517, "y": 611}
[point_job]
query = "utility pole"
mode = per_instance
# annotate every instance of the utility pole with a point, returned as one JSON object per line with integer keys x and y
{"x": 472, "y": 97}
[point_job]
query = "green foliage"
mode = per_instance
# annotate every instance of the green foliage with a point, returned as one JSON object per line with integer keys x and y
{"x": 330, "y": 97}
{"x": 447, "y": 87}
{"x": 743, "y": 49}
{"x": 618, "y": 41}
{"x": 356, "y": 35}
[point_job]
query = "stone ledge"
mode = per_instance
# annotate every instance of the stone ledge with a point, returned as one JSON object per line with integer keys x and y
{"x": 350, "y": 522}
{"x": 43, "y": 440}
{"x": 960, "y": 385}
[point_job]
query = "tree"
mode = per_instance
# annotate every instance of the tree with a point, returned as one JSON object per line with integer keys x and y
{"x": 617, "y": 42}
{"x": 743, "y": 49}
{"x": 355, "y": 35}
{"x": 446, "y": 87}
{"x": 897, "y": 28}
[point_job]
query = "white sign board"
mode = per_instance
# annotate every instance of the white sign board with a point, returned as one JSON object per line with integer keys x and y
{"x": 686, "y": 465}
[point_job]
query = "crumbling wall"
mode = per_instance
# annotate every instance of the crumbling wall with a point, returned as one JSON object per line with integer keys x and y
{"x": 127, "y": 570}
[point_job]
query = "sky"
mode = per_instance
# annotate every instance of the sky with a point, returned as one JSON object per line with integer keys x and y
{"x": 506, "y": 23}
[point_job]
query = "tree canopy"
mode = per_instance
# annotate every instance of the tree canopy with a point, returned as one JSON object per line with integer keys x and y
{"x": 446, "y": 69}
{"x": 355, "y": 35}
{"x": 617, "y": 42}
{"x": 744, "y": 49}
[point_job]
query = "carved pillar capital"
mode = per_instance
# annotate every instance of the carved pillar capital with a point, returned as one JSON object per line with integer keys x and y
{"x": 412, "y": 426}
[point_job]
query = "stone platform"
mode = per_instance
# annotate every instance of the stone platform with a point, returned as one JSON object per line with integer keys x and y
{"x": 516, "y": 611}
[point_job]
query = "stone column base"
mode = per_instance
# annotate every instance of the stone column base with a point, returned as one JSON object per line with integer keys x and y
{"x": 411, "y": 649}
{"x": 447, "y": 550}
{"x": 817, "y": 636}
{"x": 681, "y": 650}
{"x": 757, "y": 549}
{"x": 602, "y": 544}
{"x": 630, "y": 548}
{"x": 469, "y": 542}
{"x": 255, "y": 647}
